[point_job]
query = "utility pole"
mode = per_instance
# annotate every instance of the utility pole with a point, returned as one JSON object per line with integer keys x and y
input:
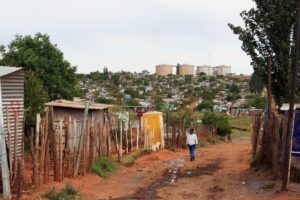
{"x": 294, "y": 71}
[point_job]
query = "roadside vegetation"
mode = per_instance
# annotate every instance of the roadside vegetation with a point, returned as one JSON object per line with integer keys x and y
{"x": 129, "y": 159}
{"x": 240, "y": 126}
{"x": 68, "y": 192}
{"x": 104, "y": 167}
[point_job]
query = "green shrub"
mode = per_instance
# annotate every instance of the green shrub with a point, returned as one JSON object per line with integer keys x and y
{"x": 219, "y": 121}
{"x": 103, "y": 166}
{"x": 223, "y": 127}
{"x": 68, "y": 192}
{"x": 129, "y": 160}
{"x": 51, "y": 194}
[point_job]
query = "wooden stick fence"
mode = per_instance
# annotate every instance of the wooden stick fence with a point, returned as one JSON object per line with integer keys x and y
{"x": 55, "y": 146}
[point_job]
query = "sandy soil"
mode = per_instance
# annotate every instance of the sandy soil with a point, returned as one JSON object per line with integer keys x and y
{"x": 220, "y": 172}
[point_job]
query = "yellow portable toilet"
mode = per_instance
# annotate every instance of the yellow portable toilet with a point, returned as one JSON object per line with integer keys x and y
{"x": 153, "y": 128}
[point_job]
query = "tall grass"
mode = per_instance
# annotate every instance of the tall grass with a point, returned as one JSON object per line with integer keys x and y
{"x": 129, "y": 160}
{"x": 66, "y": 193}
{"x": 104, "y": 166}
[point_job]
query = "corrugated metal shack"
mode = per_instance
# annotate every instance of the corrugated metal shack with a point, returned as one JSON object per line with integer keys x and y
{"x": 12, "y": 100}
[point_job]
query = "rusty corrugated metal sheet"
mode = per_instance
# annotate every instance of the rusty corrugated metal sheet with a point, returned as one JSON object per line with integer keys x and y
{"x": 12, "y": 93}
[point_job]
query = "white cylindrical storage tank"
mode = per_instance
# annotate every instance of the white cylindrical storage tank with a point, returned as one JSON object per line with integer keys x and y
{"x": 223, "y": 70}
{"x": 204, "y": 69}
{"x": 186, "y": 69}
{"x": 164, "y": 70}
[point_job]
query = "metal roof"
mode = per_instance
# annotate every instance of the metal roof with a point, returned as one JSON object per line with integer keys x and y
{"x": 77, "y": 105}
{"x": 286, "y": 106}
{"x": 4, "y": 70}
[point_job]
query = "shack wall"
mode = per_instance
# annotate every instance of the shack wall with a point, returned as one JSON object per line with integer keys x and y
{"x": 12, "y": 93}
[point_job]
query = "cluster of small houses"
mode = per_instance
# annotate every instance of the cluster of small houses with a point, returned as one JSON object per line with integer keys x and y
{"x": 72, "y": 134}
{"x": 177, "y": 96}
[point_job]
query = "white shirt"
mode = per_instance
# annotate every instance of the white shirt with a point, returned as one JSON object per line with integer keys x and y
{"x": 191, "y": 139}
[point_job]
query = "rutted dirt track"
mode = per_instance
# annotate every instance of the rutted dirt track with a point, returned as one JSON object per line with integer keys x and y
{"x": 220, "y": 172}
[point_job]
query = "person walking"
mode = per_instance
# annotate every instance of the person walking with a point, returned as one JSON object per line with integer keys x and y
{"x": 192, "y": 142}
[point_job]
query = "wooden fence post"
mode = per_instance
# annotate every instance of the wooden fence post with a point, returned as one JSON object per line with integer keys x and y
{"x": 85, "y": 115}
{"x": 34, "y": 159}
{"x": 52, "y": 134}
{"x": 294, "y": 70}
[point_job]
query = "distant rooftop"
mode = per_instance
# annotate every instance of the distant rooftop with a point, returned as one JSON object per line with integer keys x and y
{"x": 77, "y": 104}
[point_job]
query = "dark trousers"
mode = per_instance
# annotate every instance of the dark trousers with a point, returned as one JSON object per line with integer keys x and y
{"x": 192, "y": 151}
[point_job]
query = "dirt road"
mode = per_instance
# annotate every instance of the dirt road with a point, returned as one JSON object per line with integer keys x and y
{"x": 220, "y": 172}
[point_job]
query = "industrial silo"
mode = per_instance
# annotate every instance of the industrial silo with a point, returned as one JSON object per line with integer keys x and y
{"x": 223, "y": 70}
{"x": 204, "y": 69}
{"x": 164, "y": 70}
{"x": 186, "y": 70}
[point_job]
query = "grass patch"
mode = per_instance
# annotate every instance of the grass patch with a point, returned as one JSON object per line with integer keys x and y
{"x": 68, "y": 192}
{"x": 129, "y": 160}
{"x": 104, "y": 166}
{"x": 242, "y": 122}
{"x": 268, "y": 185}
{"x": 240, "y": 126}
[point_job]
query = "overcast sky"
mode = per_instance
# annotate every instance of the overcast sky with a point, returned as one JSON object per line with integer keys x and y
{"x": 132, "y": 34}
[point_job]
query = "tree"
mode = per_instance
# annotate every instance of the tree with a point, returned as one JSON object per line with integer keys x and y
{"x": 219, "y": 122}
{"x": 267, "y": 34}
{"x": 257, "y": 102}
{"x": 35, "y": 98}
{"x": 205, "y": 105}
{"x": 234, "y": 88}
{"x": 256, "y": 84}
{"x": 39, "y": 55}
{"x": 233, "y": 97}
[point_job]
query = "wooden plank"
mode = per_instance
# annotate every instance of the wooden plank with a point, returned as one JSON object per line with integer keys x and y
{"x": 37, "y": 142}
{"x": 74, "y": 147}
{"x": 54, "y": 145}
{"x": 44, "y": 147}
{"x": 78, "y": 158}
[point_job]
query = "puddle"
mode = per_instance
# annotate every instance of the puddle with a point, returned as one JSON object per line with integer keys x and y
{"x": 170, "y": 176}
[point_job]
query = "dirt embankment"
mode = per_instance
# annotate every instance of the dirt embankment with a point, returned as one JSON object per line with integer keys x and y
{"x": 220, "y": 172}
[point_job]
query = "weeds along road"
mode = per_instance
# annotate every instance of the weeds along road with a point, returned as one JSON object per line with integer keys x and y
{"x": 221, "y": 172}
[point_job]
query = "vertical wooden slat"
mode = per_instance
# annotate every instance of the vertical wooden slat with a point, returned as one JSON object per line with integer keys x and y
{"x": 74, "y": 147}
{"x": 9, "y": 142}
{"x": 37, "y": 142}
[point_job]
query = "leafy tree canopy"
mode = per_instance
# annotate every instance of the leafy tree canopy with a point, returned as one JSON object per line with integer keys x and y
{"x": 256, "y": 84}
{"x": 33, "y": 88}
{"x": 39, "y": 55}
{"x": 267, "y": 34}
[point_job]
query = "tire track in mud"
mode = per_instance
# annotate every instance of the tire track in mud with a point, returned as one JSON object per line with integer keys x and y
{"x": 169, "y": 178}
